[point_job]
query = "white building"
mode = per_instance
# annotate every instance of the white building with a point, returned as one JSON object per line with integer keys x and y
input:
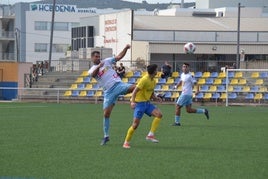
{"x": 160, "y": 37}
{"x": 26, "y": 30}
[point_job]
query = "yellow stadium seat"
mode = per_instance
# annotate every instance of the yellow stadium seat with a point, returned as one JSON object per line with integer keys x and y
{"x": 206, "y": 75}
{"x": 234, "y": 81}
{"x": 125, "y": 80}
{"x": 255, "y": 75}
{"x": 238, "y": 74}
{"x": 128, "y": 96}
{"x": 93, "y": 80}
{"x": 83, "y": 93}
{"x": 165, "y": 88}
{"x": 170, "y": 81}
{"x": 258, "y": 96}
{"x": 98, "y": 94}
{"x": 212, "y": 88}
{"x": 129, "y": 74}
{"x": 242, "y": 81}
{"x": 68, "y": 93}
{"x": 79, "y": 80}
{"x": 230, "y": 88}
{"x": 207, "y": 96}
{"x": 201, "y": 81}
{"x": 88, "y": 86}
{"x": 158, "y": 75}
{"x": 246, "y": 89}
{"x": 263, "y": 89}
{"x": 217, "y": 81}
{"x": 74, "y": 86}
{"x": 84, "y": 73}
{"x": 223, "y": 96}
{"x": 175, "y": 74}
{"x": 222, "y": 75}
{"x": 175, "y": 95}
{"x": 259, "y": 82}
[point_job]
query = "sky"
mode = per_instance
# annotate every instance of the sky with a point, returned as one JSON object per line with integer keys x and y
{"x": 149, "y": 1}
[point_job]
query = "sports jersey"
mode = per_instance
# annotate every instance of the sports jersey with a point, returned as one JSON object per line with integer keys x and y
{"x": 146, "y": 87}
{"x": 106, "y": 76}
{"x": 187, "y": 83}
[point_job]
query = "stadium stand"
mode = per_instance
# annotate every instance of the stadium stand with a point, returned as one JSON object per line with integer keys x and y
{"x": 212, "y": 86}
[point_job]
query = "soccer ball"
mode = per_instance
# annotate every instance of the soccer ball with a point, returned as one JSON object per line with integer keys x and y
{"x": 189, "y": 48}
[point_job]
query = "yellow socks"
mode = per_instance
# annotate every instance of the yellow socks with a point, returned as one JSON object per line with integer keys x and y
{"x": 155, "y": 124}
{"x": 129, "y": 134}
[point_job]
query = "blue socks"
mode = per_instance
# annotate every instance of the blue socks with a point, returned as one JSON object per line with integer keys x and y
{"x": 106, "y": 126}
{"x": 200, "y": 110}
{"x": 177, "y": 119}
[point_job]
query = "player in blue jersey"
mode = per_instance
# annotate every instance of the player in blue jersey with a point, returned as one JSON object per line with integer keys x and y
{"x": 185, "y": 99}
{"x": 112, "y": 85}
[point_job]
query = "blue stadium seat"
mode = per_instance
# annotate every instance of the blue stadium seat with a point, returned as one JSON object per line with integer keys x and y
{"x": 264, "y": 75}
{"x": 95, "y": 86}
{"x": 254, "y": 89}
{"x": 199, "y": 96}
{"x": 86, "y": 80}
{"x": 265, "y": 96}
{"x": 132, "y": 80}
{"x": 168, "y": 95}
{"x": 75, "y": 93}
{"x": 157, "y": 87}
{"x": 162, "y": 81}
{"x": 177, "y": 80}
{"x": 204, "y": 88}
{"x": 249, "y": 96}
{"x": 224, "y": 81}
{"x": 232, "y": 95}
{"x": 81, "y": 86}
{"x": 90, "y": 93}
{"x": 137, "y": 74}
{"x": 221, "y": 88}
{"x": 214, "y": 75}
{"x": 209, "y": 81}
{"x": 198, "y": 74}
{"x": 231, "y": 74}
{"x": 215, "y": 96}
{"x": 237, "y": 89}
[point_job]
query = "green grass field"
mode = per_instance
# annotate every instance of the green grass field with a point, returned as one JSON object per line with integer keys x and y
{"x": 40, "y": 140}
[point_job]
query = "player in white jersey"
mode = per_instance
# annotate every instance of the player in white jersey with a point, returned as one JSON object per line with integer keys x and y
{"x": 185, "y": 99}
{"x": 112, "y": 85}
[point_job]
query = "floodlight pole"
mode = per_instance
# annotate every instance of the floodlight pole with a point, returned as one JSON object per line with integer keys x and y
{"x": 51, "y": 35}
{"x": 238, "y": 38}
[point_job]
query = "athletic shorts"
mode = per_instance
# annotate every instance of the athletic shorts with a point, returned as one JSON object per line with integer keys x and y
{"x": 111, "y": 95}
{"x": 184, "y": 100}
{"x": 143, "y": 108}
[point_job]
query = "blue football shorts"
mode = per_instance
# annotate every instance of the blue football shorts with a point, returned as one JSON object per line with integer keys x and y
{"x": 184, "y": 100}
{"x": 111, "y": 95}
{"x": 143, "y": 108}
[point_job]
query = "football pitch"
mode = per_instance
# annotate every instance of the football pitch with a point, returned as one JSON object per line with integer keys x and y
{"x": 45, "y": 140}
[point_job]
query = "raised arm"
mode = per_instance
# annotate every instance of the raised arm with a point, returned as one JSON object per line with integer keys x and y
{"x": 123, "y": 53}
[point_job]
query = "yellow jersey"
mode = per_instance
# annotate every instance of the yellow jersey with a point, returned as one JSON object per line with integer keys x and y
{"x": 146, "y": 87}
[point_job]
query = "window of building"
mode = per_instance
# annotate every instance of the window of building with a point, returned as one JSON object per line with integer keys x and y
{"x": 59, "y": 48}
{"x": 41, "y": 25}
{"x": 61, "y": 26}
{"x": 40, "y": 47}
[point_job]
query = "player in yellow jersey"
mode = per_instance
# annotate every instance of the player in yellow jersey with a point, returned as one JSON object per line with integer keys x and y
{"x": 140, "y": 102}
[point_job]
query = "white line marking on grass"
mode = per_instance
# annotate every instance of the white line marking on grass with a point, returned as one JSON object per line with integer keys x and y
{"x": 17, "y": 107}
